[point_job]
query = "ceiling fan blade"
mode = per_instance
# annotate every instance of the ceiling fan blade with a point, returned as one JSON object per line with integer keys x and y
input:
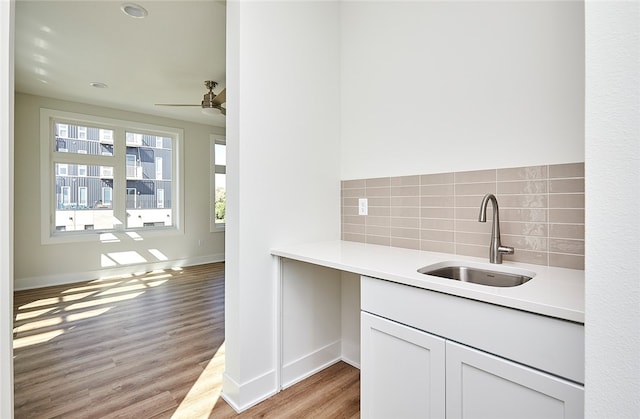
{"x": 174, "y": 104}
{"x": 223, "y": 110}
{"x": 220, "y": 97}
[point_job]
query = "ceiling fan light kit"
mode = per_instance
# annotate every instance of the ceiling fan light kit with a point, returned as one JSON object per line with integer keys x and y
{"x": 211, "y": 103}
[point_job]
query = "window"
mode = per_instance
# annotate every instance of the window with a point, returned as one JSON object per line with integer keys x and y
{"x": 63, "y": 130}
{"x": 82, "y": 196}
{"x": 159, "y": 142}
{"x": 218, "y": 182}
{"x": 100, "y": 176}
{"x": 159, "y": 168}
{"x": 160, "y": 196}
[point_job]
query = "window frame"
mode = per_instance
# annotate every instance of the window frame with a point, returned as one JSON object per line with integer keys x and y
{"x": 215, "y": 169}
{"x": 49, "y": 157}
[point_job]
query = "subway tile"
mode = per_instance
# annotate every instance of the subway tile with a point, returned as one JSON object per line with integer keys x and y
{"x": 353, "y": 184}
{"x": 405, "y": 190}
{"x": 473, "y": 226}
{"x": 436, "y": 224}
{"x": 472, "y": 214}
{"x": 524, "y": 229}
{"x": 404, "y": 233}
{"x": 373, "y": 220}
{"x": 375, "y": 192}
{"x": 522, "y": 187}
{"x": 411, "y": 212}
{"x": 437, "y": 235}
{"x": 405, "y": 222}
{"x": 575, "y": 247}
{"x": 439, "y": 190}
{"x": 468, "y": 201}
{"x": 567, "y": 231}
{"x": 435, "y": 246}
{"x": 539, "y": 244}
{"x": 525, "y": 215}
{"x": 470, "y": 250}
{"x": 350, "y": 211}
{"x": 380, "y": 201}
{"x": 436, "y": 212}
{"x": 437, "y": 179}
{"x": 529, "y": 256}
{"x": 355, "y": 192}
{"x": 566, "y": 170}
{"x": 381, "y": 240}
{"x": 404, "y": 201}
{"x": 378, "y": 182}
{"x": 360, "y": 238}
{"x": 379, "y": 211}
{"x": 475, "y": 176}
{"x": 354, "y": 228}
{"x": 405, "y": 181}
{"x": 566, "y": 261}
{"x": 523, "y": 173}
{"x": 478, "y": 239}
{"x": 405, "y": 243}
{"x": 566, "y": 200}
{"x": 436, "y": 201}
{"x": 566, "y": 216}
{"x": 479, "y": 189}
{"x": 566, "y": 185}
{"x": 373, "y": 230}
{"x": 355, "y": 219}
{"x": 350, "y": 202}
{"x": 522, "y": 201}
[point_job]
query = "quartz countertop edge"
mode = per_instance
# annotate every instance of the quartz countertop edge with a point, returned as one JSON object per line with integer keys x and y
{"x": 553, "y": 292}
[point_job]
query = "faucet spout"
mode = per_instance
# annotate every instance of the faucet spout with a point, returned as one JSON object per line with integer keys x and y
{"x": 496, "y": 249}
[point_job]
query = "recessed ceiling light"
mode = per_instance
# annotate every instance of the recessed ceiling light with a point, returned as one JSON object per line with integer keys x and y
{"x": 134, "y": 10}
{"x": 98, "y": 85}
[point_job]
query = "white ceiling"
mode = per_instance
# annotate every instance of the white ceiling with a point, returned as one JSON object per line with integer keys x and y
{"x": 62, "y": 46}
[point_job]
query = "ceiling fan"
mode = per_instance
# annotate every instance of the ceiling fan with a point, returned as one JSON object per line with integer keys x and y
{"x": 210, "y": 100}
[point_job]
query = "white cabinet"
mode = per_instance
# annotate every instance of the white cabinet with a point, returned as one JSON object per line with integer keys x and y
{"x": 480, "y": 385}
{"x": 402, "y": 371}
{"x": 505, "y": 364}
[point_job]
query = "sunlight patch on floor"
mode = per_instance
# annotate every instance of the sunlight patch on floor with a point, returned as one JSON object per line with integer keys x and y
{"x": 204, "y": 394}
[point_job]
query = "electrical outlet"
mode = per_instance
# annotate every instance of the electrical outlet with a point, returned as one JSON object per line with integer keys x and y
{"x": 363, "y": 206}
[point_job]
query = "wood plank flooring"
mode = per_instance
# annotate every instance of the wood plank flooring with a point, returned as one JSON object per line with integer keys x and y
{"x": 146, "y": 346}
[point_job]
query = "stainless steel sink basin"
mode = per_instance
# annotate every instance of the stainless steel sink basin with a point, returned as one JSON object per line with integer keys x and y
{"x": 478, "y": 274}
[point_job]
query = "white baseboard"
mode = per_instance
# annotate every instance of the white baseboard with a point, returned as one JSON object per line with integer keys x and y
{"x": 243, "y": 396}
{"x": 296, "y": 371}
{"x": 73, "y": 277}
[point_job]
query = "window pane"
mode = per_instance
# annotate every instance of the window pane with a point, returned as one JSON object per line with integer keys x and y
{"x": 220, "y": 152}
{"x": 149, "y": 181}
{"x": 79, "y": 139}
{"x": 220, "y": 198}
{"x": 81, "y": 200}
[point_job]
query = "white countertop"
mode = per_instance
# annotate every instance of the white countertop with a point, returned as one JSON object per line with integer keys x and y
{"x": 555, "y": 292}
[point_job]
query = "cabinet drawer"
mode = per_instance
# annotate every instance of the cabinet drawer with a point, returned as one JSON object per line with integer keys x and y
{"x": 549, "y": 344}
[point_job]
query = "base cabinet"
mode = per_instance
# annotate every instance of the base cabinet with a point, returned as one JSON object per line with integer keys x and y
{"x": 409, "y": 373}
{"x": 480, "y": 385}
{"x": 402, "y": 371}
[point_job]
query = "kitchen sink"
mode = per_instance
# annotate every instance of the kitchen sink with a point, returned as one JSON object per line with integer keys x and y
{"x": 460, "y": 271}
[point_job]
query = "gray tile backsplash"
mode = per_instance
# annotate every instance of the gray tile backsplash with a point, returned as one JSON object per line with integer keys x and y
{"x": 541, "y": 212}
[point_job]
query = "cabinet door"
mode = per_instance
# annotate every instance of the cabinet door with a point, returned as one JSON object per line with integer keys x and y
{"x": 402, "y": 371}
{"x": 480, "y": 385}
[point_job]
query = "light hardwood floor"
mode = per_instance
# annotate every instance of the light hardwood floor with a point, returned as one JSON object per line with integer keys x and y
{"x": 147, "y": 346}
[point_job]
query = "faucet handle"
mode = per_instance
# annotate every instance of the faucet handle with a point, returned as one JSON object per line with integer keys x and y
{"x": 506, "y": 250}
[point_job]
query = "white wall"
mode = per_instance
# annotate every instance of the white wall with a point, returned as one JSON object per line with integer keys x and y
{"x": 6, "y": 208}
{"x": 39, "y": 264}
{"x": 442, "y": 86}
{"x": 283, "y": 168}
{"x": 612, "y": 200}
